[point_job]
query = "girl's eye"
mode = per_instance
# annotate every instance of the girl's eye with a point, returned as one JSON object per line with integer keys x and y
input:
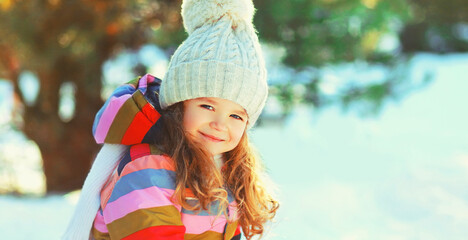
{"x": 207, "y": 107}
{"x": 236, "y": 117}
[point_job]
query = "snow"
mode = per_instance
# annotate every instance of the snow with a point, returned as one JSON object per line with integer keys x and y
{"x": 33, "y": 218}
{"x": 399, "y": 176}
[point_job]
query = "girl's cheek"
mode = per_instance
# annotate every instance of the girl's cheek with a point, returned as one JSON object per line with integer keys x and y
{"x": 239, "y": 131}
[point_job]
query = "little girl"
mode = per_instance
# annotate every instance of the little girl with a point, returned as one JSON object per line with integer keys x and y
{"x": 190, "y": 172}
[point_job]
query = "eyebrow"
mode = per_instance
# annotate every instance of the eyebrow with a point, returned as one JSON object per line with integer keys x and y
{"x": 208, "y": 100}
{"x": 239, "y": 112}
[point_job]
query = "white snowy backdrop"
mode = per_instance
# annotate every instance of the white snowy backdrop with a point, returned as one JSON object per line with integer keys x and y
{"x": 399, "y": 176}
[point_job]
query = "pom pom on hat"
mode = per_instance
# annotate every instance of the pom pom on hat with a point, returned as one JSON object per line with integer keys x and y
{"x": 195, "y": 13}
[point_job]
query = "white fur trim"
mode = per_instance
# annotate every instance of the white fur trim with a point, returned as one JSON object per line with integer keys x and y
{"x": 196, "y": 13}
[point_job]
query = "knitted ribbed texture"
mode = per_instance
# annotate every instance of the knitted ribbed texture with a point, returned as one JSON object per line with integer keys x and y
{"x": 196, "y": 13}
{"x": 220, "y": 58}
{"x": 105, "y": 163}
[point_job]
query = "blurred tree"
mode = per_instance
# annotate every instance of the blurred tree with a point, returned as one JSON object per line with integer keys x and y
{"x": 437, "y": 26}
{"x": 320, "y": 32}
{"x": 68, "y": 42}
{"x": 379, "y": 32}
{"x": 328, "y": 31}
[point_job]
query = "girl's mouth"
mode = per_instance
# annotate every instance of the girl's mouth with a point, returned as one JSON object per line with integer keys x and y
{"x": 211, "y": 137}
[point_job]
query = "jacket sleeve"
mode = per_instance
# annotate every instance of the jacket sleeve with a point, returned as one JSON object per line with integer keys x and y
{"x": 140, "y": 205}
{"x": 130, "y": 115}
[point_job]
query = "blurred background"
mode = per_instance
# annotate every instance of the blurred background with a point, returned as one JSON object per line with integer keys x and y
{"x": 365, "y": 131}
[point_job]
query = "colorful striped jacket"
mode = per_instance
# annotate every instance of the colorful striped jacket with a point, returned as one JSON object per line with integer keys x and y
{"x": 136, "y": 204}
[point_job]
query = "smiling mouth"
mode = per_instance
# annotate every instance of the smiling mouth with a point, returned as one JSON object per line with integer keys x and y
{"x": 211, "y": 137}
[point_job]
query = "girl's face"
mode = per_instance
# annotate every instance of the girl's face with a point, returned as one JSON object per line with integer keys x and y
{"x": 216, "y": 123}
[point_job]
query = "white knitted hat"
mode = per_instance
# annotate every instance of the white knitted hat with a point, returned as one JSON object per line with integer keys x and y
{"x": 220, "y": 58}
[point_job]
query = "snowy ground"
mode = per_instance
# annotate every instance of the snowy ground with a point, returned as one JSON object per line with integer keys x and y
{"x": 400, "y": 176}
{"x": 33, "y": 218}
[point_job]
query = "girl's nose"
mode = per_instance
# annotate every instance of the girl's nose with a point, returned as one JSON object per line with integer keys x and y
{"x": 219, "y": 123}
